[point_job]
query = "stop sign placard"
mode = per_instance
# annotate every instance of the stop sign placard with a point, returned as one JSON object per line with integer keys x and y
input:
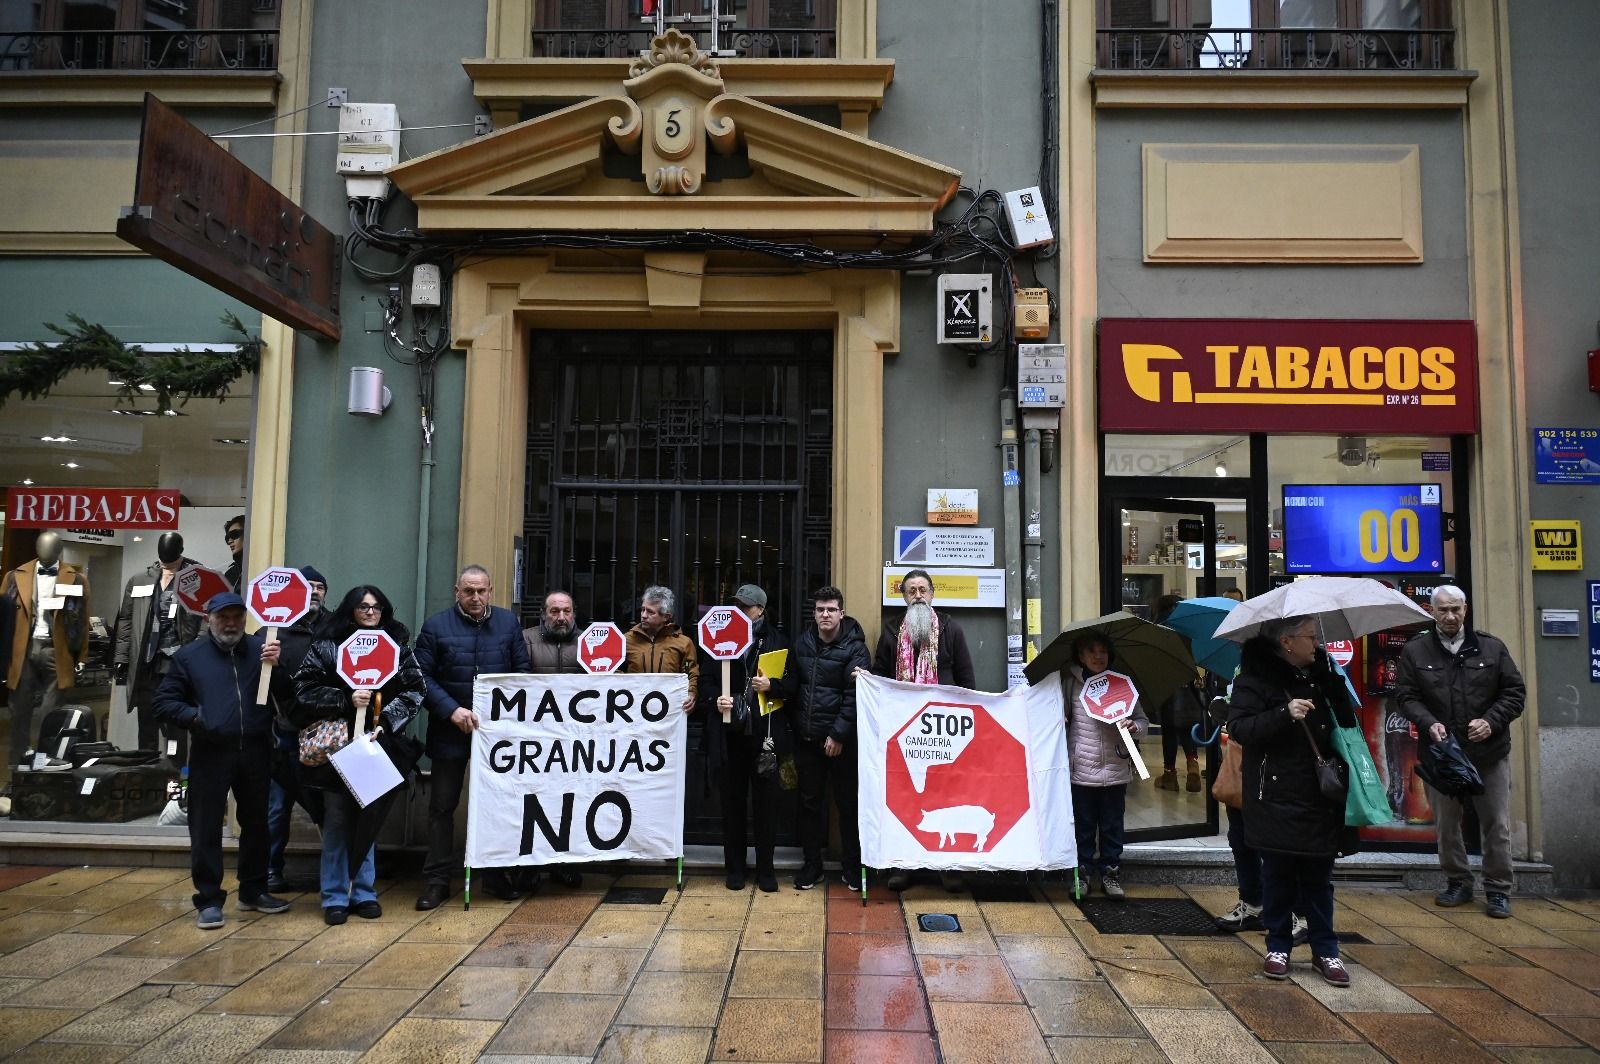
{"x": 1108, "y": 696}
{"x": 195, "y": 584}
{"x": 278, "y": 596}
{"x": 956, "y": 778}
{"x": 726, "y": 633}
{"x": 601, "y": 648}
{"x": 368, "y": 659}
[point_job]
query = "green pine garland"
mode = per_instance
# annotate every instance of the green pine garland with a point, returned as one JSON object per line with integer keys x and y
{"x": 177, "y": 377}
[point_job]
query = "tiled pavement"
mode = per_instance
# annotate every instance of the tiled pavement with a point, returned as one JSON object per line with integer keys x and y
{"x": 104, "y": 964}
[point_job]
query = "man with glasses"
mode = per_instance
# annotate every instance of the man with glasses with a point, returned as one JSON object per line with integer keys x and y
{"x": 454, "y": 647}
{"x": 823, "y": 714}
{"x": 233, "y": 536}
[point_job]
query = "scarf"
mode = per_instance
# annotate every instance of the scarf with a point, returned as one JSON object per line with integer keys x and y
{"x": 917, "y": 667}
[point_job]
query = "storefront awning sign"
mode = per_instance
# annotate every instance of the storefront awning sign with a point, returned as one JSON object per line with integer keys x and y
{"x": 109, "y": 508}
{"x": 1191, "y": 375}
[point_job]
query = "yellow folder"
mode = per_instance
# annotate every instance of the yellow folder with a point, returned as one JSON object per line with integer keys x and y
{"x": 772, "y": 664}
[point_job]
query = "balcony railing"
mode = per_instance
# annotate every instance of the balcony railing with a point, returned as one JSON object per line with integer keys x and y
{"x": 1320, "y": 48}
{"x": 756, "y": 42}
{"x": 139, "y": 50}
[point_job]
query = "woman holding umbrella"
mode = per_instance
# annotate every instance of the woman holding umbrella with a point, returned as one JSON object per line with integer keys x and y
{"x": 1286, "y": 702}
{"x": 348, "y": 880}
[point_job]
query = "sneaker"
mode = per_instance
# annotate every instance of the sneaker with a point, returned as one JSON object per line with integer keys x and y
{"x": 808, "y": 876}
{"x": 1300, "y": 930}
{"x": 368, "y": 910}
{"x": 1332, "y": 969}
{"x": 1112, "y": 885}
{"x": 334, "y": 915}
{"x": 1082, "y": 885}
{"x": 264, "y": 903}
{"x": 1497, "y": 905}
{"x": 54, "y": 764}
{"x": 767, "y": 880}
{"x": 210, "y": 918}
{"x": 1242, "y": 917}
{"x": 1459, "y": 892}
{"x": 899, "y": 880}
{"x": 1276, "y": 966}
{"x": 851, "y": 878}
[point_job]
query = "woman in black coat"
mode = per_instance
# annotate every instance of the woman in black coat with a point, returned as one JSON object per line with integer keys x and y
{"x": 322, "y": 695}
{"x": 1286, "y": 687}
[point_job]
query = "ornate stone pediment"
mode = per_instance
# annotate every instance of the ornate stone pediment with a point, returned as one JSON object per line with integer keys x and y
{"x": 643, "y": 160}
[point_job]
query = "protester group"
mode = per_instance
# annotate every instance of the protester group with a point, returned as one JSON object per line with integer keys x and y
{"x": 1283, "y": 709}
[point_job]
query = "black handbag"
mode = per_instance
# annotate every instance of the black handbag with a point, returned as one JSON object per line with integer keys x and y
{"x": 1447, "y": 769}
{"x": 1333, "y": 776}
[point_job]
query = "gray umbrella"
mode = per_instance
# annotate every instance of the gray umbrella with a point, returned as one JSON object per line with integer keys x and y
{"x": 1346, "y": 607}
{"x": 1157, "y": 659}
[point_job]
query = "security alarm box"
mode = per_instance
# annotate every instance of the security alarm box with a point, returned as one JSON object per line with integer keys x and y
{"x": 1031, "y": 318}
{"x": 965, "y": 314}
{"x": 1041, "y": 376}
{"x": 1030, "y": 225}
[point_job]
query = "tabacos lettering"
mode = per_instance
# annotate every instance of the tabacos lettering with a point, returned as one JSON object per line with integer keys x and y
{"x": 1293, "y": 376}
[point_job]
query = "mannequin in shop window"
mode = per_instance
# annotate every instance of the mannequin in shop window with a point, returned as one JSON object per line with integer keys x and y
{"x": 152, "y": 625}
{"x": 45, "y": 603}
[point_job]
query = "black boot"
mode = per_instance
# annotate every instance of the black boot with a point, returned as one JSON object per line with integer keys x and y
{"x": 1459, "y": 892}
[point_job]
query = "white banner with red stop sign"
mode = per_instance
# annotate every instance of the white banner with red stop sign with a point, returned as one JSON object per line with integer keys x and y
{"x": 962, "y": 780}
{"x": 577, "y": 768}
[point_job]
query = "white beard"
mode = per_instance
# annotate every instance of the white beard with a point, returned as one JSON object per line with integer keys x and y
{"x": 919, "y": 622}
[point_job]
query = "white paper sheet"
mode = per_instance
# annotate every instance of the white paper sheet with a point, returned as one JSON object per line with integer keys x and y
{"x": 366, "y": 770}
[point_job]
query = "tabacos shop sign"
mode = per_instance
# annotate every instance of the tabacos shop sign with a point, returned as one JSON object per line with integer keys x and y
{"x": 1288, "y": 375}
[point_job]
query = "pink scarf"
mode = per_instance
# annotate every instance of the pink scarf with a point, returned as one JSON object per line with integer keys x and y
{"x": 917, "y": 667}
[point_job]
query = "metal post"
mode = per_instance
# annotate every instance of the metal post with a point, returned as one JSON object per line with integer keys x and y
{"x": 466, "y": 891}
{"x": 1032, "y": 544}
{"x": 1011, "y": 535}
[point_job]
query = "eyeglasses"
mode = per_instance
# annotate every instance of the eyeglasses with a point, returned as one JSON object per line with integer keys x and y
{"x": 232, "y": 534}
{"x": 369, "y": 607}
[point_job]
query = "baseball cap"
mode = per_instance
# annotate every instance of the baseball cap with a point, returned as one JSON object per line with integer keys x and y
{"x": 750, "y": 595}
{"x": 222, "y": 600}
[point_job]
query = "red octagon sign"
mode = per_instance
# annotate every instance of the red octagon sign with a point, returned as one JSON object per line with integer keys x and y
{"x": 1342, "y": 651}
{"x": 1108, "y": 696}
{"x": 278, "y": 596}
{"x": 957, "y": 779}
{"x": 601, "y": 648}
{"x": 195, "y": 584}
{"x": 368, "y": 659}
{"x": 726, "y": 633}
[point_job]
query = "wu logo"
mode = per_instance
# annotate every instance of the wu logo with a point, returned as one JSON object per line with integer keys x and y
{"x": 1555, "y": 537}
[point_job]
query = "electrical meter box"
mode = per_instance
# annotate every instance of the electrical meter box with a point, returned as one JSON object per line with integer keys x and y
{"x": 966, "y": 308}
{"x": 1041, "y": 376}
{"x": 369, "y": 138}
{"x": 1030, "y": 225}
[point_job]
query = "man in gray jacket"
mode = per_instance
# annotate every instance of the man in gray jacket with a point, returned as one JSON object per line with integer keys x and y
{"x": 552, "y": 649}
{"x": 1454, "y": 680}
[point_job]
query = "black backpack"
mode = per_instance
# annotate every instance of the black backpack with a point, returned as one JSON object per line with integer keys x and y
{"x": 64, "y": 728}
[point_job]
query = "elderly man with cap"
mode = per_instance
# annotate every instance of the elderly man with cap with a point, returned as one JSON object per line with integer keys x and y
{"x": 210, "y": 690}
{"x": 743, "y": 747}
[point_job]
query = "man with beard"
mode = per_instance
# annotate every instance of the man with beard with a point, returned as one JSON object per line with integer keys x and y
{"x": 823, "y": 713}
{"x": 210, "y": 690}
{"x": 286, "y": 791}
{"x": 552, "y": 649}
{"x": 925, "y": 647}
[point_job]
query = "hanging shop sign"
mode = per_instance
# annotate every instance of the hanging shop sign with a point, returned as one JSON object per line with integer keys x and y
{"x": 1288, "y": 375}
{"x": 951, "y": 587}
{"x": 917, "y": 545}
{"x": 1557, "y": 544}
{"x": 205, "y": 212}
{"x": 92, "y": 508}
{"x": 1566, "y": 456}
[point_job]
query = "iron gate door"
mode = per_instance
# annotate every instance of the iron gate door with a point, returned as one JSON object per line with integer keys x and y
{"x": 694, "y": 460}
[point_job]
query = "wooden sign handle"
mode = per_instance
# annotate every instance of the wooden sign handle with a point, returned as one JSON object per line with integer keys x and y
{"x": 727, "y": 682}
{"x": 1133, "y": 751}
{"x": 266, "y": 670}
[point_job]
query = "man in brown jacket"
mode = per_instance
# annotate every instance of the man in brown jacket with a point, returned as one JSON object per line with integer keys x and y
{"x": 657, "y": 644}
{"x": 50, "y": 604}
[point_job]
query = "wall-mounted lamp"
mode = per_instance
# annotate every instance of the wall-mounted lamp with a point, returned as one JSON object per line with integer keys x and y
{"x": 368, "y": 396}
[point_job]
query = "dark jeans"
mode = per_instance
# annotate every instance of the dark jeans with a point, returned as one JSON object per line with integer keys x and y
{"x": 444, "y": 794}
{"x": 1098, "y": 812}
{"x": 285, "y": 794}
{"x": 820, "y": 774}
{"x": 743, "y": 794}
{"x": 1246, "y": 859}
{"x": 35, "y": 695}
{"x": 1175, "y": 724}
{"x": 214, "y": 770}
{"x": 1304, "y": 885}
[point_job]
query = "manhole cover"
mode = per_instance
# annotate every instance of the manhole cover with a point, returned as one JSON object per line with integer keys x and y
{"x": 634, "y": 895}
{"x": 938, "y": 922}
{"x": 1148, "y": 916}
{"x": 1002, "y": 892}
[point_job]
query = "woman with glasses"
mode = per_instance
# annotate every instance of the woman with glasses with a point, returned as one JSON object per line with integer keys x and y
{"x": 324, "y": 696}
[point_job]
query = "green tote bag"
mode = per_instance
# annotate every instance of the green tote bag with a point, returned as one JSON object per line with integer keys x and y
{"x": 1366, "y": 803}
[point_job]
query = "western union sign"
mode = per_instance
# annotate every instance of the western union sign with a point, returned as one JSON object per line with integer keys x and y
{"x": 1557, "y": 545}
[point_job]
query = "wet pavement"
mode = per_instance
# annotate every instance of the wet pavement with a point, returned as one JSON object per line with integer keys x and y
{"x": 104, "y": 964}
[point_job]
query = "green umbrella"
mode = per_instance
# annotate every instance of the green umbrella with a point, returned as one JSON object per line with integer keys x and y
{"x": 1156, "y": 658}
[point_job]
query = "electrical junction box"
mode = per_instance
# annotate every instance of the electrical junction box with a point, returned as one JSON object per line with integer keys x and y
{"x": 1030, "y": 225}
{"x": 425, "y": 286}
{"x": 1041, "y": 376}
{"x": 1031, "y": 316}
{"x": 965, "y": 308}
{"x": 369, "y": 138}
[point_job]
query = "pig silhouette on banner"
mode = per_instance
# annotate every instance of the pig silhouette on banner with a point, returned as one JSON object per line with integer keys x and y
{"x": 958, "y": 779}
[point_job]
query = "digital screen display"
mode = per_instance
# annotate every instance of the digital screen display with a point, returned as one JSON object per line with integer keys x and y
{"x": 1363, "y": 528}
